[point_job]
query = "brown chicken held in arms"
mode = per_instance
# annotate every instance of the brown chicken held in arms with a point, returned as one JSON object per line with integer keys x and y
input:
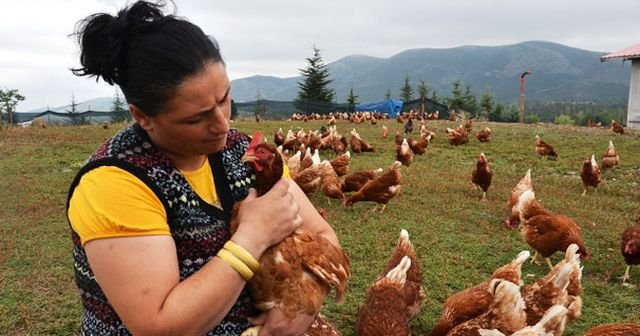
{"x": 322, "y": 327}
{"x": 552, "y": 324}
{"x": 630, "y": 248}
{"x": 472, "y": 302}
{"x": 617, "y": 128}
{"x": 379, "y": 190}
{"x": 615, "y": 329}
{"x": 296, "y": 274}
{"x": 544, "y": 149}
{"x": 590, "y": 174}
{"x": 513, "y": 221}
{"x": 546, "y": 231}
{"x": 395, "y": 298}
{"x": 404, "y": 154}
{"x": 355, "y": 180}
{"x": 610, "y": 158}
{"x": 506, "y": 312}
{"x": 484, "y": 135}
{"x": 482, "y": 175}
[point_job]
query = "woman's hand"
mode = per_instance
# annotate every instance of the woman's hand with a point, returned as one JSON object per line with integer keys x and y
{"x": 274, "y": 323}
{"x": 266, "y": 220}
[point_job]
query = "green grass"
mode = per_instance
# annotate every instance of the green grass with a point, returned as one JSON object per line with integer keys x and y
{"x": 459, "y": 240}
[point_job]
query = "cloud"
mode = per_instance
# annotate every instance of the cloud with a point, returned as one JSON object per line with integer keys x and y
{"x": 275, "y": 37}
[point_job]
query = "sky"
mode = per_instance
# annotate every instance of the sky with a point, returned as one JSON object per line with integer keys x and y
{"x": 273, "y": 38}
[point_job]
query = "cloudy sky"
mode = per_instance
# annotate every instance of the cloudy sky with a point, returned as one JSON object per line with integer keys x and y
{"x": 274, "y": 37}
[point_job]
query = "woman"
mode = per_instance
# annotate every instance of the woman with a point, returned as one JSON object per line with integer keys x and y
{"x": 149, "y": 211}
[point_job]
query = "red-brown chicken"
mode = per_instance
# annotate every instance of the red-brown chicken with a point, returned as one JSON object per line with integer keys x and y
{"x": 419, "y": 147}
{"x": 630, "y": 248}
{"x": 472, "y": 302}
{"x": 546, "y": 231}
{"x": 398, "y": 138}
{"x": 404, "y": 154}
{"x": 513, "y": 221}
{"x": 484, "y": 135}
{"x": 395, "y": 298}
{"x": 296, "y": 274}
{"x": 341, "y": 164}
{"x": 548, "y": 291}
{"x": 506, "y": 311}
{"x": 590, "y": 174}
{"x": 544, "y": 149}
{"x": 385, "y": 131}
{"x": 482, "y": 175}
{"x": 380, "y": 190}
{"x": 552, "y": 323}
{"x": 610, "y": 158}
{"x": 457, "y": 136}
{"x": 617, "y": 128}
{"x": 615, "y": 329}
{"x": 331, "y": 185}
{"x": 322, "y": 327}
{"x": 355, "y": 180}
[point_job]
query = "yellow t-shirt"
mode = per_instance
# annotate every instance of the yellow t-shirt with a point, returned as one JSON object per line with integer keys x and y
{"x": 125, "y": 206}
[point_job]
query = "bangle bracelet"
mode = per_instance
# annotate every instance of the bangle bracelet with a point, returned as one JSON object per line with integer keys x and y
{"x": 236, "y": 264}
{"x": 243, "y": 255}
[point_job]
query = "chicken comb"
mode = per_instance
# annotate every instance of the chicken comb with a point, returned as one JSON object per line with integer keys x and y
{"x": 257, "y": 139}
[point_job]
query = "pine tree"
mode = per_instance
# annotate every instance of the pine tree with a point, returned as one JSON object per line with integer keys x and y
{"x": 486, "y": 103}
{"x": 470, "y": 104}
{"x": 120, "y": 113}
{"x": 388, "y": 94}
{"x": 423, "y": 90}
{"x": 456, "y": 101}
{"x": 260, "y": 107}
{"x": 406, "y": 92}
{"x": 76, "y": 119}
{"x": 352, "y": 101}
{"x": 314, "y": 87}
{"x": 234, "y": 110}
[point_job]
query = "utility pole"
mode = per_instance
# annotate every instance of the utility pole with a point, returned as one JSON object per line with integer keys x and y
{"x": 528, "y": 72}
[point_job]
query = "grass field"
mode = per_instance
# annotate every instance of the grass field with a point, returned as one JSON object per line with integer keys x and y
{"x": 459, "y": 239}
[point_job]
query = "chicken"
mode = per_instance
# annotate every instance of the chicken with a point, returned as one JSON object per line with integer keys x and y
{"x": 484, "y": 135}
{"x": 424, "y": 132}
{"x": 294, "y": 163}
{"x": 544, "y": 149}
{"x": 296, "y": 274}
{"x": 547, "y": 232}
{"x": 341, "y": 164}
{"x": 472, "y": 302}
{"x": 482, "y": 175}
{"x": 617, "y": 128}
{"x": 355, "y": 180}
{"x": 457, "y": 136}
{"x": 330, "y": 184}
{"x": 610, "y": 158}
{"x": 592, "y": 124}
{"x": 552, "y": 324}
{"x": 385, "y": 131}
{"x": 310, "y": 179}
{"x": 339, "y": 144}
{"x": 548, "y": 291}
{"x": 408, "y": 127}
{"x": 506, "y": 311}
{"x": 615, "y": 329}
{"x": 322, "y": 327}
{"x": 105, "y": 125}
{"x": 419, "y": 147}
{"x": 513, "y": 221}
{"x": 307, "y": 160}
{"x": 468, "y": 125}
{"x": 404, "y": 153}
{"x": 374, "y": 121}
{"x": 332, "y": 121}
{"x": 398, "y": 138}
{"x": 380, "y": 190}
{"x": 630, "y": 248}
{"x": 394, "y": 299}
{"x": 590, "y": 174}
{"x": 452, "y": 115}
{"x": 356, "y": 144}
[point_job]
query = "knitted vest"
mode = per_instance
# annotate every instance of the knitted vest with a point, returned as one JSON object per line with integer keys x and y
{"x": 199, "y": 229}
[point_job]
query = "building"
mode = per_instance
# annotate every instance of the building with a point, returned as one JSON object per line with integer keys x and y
{"x": 633, "y": 108}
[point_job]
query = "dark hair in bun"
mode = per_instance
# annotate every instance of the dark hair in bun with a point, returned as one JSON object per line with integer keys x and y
{"x": 148, "y": 54}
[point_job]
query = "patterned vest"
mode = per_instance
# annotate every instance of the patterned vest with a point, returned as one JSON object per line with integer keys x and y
{"x": 198, "y": 228}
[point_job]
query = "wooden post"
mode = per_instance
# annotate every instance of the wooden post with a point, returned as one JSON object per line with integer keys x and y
{"x": 528, "y": 72}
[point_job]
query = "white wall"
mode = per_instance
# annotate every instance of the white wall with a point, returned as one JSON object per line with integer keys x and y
{"x": 633, "y": 111}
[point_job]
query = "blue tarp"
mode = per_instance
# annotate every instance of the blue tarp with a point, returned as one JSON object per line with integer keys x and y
{"x": 390, "y": 106}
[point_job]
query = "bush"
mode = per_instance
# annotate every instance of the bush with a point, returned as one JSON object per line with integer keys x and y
{"x": 564, "y": 119}
{"x": 531, "y": 119}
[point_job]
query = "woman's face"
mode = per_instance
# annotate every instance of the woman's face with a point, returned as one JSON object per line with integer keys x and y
{"x": 196, "y": 120}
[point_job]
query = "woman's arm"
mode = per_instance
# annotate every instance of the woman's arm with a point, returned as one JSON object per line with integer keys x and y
{"x": 140, "y": 275}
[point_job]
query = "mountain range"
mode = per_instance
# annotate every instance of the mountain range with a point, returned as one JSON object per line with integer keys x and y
{"x": 559, "y": 73}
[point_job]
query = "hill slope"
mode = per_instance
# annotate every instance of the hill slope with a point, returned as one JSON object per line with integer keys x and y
{"x": 559, "y": 73}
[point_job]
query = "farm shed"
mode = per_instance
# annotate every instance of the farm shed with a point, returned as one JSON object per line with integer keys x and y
{"x": 633, "y": 108}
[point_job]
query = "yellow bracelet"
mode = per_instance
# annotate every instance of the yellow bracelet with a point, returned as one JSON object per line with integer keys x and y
{"x": 243, "y": 255}
{"x": 236, "y": 264}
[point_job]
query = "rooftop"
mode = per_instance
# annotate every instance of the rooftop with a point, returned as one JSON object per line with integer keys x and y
{"x": 627, "y": 53}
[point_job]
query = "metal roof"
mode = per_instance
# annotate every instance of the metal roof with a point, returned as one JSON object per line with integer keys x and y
{"x": 627, "y": 53}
